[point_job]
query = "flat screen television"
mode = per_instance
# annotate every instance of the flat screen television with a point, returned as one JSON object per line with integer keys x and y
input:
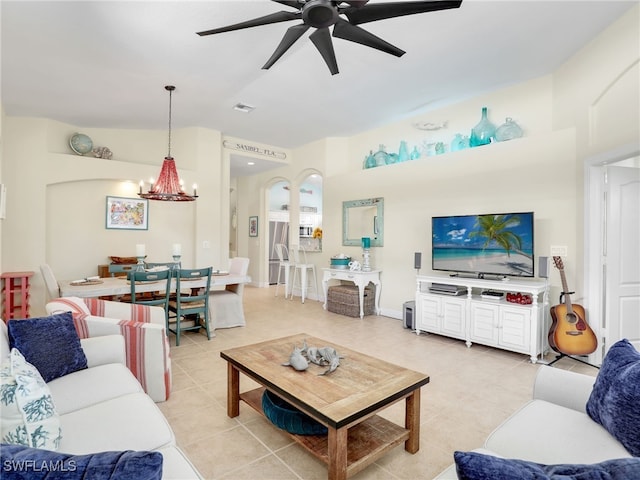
{"x": 480, "y": 245}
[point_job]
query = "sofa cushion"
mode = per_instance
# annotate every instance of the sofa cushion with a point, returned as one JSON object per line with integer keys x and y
{"x": 4, "y": 342}
{"x": 128, "y": 422}
{"x": 571, "y": 436}
{"x": 20, "y": 462}
{"x": 615, "y": 397}
{"x": 176, "y": 465}
{"x": 51, "y": 344}
{"x": 88, "y": 387}
{"x": 477, "y": 466}
{"x": 28, "y": 413}
{"x": 68, "y": 304}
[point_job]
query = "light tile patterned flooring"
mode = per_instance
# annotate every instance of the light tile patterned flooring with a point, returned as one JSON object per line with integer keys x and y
{"x": 472, "y": 390}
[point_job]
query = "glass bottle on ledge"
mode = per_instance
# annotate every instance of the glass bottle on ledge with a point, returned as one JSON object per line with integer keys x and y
{"x": 459, "y": 142}
{"x": 403, "y": 151}
{"x": 381, "y": 156}
{"x": 508, "y": 131}
{"x": 369, "y": 161}
{"x": 483, "y": 132}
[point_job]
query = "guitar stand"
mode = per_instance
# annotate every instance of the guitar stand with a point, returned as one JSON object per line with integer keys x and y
{"x": 564, "y": 355}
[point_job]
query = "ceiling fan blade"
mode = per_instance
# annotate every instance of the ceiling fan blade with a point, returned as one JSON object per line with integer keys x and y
{"x": 290, "y": 3}
{"x": 353, "y": 33}
{"x": 380, "y": 11}
{"x": 291, "y": 35}
{"x": 321, "y": 38}
{"x": 356, "y": 3}
{"x": 256, "y": 22}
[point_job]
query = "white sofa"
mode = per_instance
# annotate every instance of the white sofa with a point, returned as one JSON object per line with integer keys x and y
{"x": 104, "y": 407}
{"x": 553, "y": 427}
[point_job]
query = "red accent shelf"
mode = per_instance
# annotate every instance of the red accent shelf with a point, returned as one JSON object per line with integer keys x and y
{"x": 15, "y": 295}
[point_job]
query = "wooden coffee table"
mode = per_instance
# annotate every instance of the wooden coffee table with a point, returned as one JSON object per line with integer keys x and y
{"x": 345, "y": 401}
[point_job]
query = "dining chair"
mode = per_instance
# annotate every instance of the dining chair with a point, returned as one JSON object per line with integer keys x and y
{"x": 191, "y": 311}
{"x": 226, "y": 305}
{"x": 301, "y": 268}
{"x": 158, "y": 265}
{"x": 283, "y": 264}
{"x": 50, "y": 281}
{"x": 121, "y": 269}
{"x": 160, "y": 297}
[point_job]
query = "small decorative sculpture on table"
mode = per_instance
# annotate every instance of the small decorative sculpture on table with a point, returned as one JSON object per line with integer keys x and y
{"x": 324, "y": 356}
{"x": 140, "y": 254}
{"x": 366, "y": 254}
{"x": 176, "y": 253}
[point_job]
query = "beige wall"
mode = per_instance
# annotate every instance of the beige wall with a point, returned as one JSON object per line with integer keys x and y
{"x": 589, "y": 105}
{"x": 57, "y": 200}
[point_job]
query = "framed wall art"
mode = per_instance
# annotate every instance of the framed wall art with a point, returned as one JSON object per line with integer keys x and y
{"x": 127, "y": 213}
{"x": 253, "y": 226}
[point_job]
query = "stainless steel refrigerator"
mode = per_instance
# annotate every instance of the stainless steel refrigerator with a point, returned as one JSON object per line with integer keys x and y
{"x": 278, "y": 233}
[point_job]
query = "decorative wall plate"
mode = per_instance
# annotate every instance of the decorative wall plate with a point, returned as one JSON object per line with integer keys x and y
{"x": 80, "y": 143}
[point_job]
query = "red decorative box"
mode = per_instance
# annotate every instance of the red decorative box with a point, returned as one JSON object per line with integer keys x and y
{"x": 522, "y": 299}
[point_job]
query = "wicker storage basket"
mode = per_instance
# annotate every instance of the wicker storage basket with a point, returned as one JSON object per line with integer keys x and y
{"x": 343, "y": 299}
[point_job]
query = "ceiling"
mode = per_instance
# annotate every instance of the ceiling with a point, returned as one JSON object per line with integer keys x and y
{"x": 104, "y": 64}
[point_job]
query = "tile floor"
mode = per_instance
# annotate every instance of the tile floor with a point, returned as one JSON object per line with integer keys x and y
{"x": 471, "y": 391}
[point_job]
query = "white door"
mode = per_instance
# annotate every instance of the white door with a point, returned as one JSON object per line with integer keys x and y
{"x": 622, "y": 256}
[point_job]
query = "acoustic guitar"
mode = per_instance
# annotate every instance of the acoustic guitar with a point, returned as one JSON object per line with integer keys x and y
{"x": 570, "y": 334}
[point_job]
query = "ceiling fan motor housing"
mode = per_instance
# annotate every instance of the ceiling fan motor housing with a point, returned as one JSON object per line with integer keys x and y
{"x": 319, "y": 13}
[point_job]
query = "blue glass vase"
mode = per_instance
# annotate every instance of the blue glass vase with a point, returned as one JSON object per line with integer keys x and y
{"x": 415, "y": 154}
{"x": 508, "y": 131}
{"x": 369, "y": 161}
{"x": 483, "y": 132}
{"x": 381, "y": 156}
{"x": 459, "y": 142}
{"x": 403, "y": 152}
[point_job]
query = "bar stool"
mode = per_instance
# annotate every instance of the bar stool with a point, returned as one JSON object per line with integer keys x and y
{"x": 303, "y": 267}
{"x": 284, "y": 263}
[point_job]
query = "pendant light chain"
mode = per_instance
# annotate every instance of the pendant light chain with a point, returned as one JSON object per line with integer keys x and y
{"x": 170, "y": 88}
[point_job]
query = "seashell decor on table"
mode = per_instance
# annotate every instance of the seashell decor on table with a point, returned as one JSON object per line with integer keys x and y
{"x": 323, "y": 356}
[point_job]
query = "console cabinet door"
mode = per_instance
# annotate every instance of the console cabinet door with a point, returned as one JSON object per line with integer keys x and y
{"x": 453, "y": 317}
{"x": 485, "y": 318}
{"x": 516, "y": 328}
{"x": 428, "y": 318}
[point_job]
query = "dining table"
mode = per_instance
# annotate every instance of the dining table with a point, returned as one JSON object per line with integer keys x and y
{"x": 114, "y": 286}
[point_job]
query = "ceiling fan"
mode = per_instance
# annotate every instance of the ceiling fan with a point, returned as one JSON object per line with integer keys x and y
{"x": 321, "y": 14}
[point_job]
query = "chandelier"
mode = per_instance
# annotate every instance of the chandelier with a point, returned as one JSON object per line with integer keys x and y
{"x": 168, "y": 187}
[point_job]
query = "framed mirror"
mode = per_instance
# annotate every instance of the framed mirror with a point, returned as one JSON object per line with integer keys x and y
{"x": 363, "y": 218}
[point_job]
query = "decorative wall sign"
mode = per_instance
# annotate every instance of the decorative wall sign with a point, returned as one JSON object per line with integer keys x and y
{"x": 245, "y": 147}
{"x": 253, "y": 226}
{"x": 127, "y": 213}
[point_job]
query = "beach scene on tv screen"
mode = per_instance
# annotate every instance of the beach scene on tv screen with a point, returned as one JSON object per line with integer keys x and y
{"x": 484, "y": 244}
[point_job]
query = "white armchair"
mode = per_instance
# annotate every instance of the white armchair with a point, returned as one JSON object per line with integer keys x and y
{"x": 225, "y": 306}
{"x": 143, "y": 329}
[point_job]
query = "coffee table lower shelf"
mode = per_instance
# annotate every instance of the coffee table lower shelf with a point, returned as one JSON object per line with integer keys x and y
{"x": 367, "y": 441}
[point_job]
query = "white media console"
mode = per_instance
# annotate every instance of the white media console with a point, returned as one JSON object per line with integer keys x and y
{"x": 456, "y": 307}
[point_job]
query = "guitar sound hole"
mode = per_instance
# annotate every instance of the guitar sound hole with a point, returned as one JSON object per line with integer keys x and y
{"x": 571, "y": 318}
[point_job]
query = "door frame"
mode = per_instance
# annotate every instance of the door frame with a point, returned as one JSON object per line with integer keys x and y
{"x": 593, "y": 281}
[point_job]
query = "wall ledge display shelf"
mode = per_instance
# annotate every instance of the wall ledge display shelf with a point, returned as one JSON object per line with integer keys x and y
{"x": 460, "y": 307}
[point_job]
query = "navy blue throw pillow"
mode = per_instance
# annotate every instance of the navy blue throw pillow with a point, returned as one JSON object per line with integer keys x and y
{"x": 477, "y": 466}
{"x": 615, "y": 399}
{"x": 25, "y": 463}
{"x": 51, "y": 344}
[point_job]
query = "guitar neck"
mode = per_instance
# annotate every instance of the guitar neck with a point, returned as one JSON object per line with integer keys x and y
{"x": 565, "y": 291}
